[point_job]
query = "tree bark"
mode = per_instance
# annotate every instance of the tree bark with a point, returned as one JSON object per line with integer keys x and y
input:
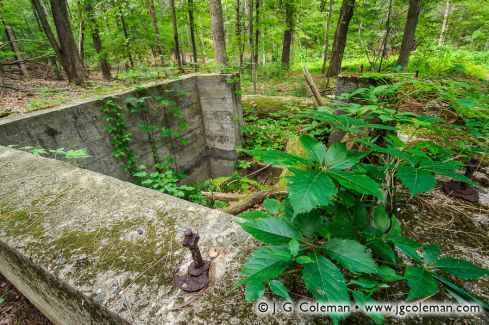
{"x": 326, "y": 37}
{"x": 14, "y": 45}
{"x": 238, "y": 34}
{"x": 81, "y": 40}
{"x": 444, "y": 25}
{"x": 97, "y": 41}
{"x": 126, "y": 35}
{"x": 218, "y": 34}
{"x": 192, "y": 31}
{"x": 339, "y": 43}
{"x": 409, "y": 31}
{"x": 257, "y": 30}
{"x": 252, "y": 44}
{"x": 154, "y": 18}
{"x": 175, "y": 34}
{"x": 65, "y": 50}
{"x": 288, "y": 33}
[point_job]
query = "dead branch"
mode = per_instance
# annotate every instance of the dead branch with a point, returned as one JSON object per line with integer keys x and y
{"x": 223, "y": 196}
{"x": 252, "y": 200}
{"x": 24, "y": 60}
{"x": 313, "y": 87}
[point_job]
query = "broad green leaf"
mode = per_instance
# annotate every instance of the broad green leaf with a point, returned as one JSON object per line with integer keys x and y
{"x": 408, "y": 247}
{"x": 336, "y": 154}
{"x": 368, "y": 284}
{"x": 304, "y": 260}
{"x": 388, "y": 274}
{"x": 279, "y": 289}
{"x": 270, "y": 230}
{"x": 456, "y": 176}
{"x": 415, "y": 179}
{"x": 309, "y": 189}
{"x": 381, "y": 220}
{"x": 325, "y": 281}
{"x": 308, "y": 223}
{"x": 461, "y": 292}
{"x": 315, "y": 149}
{"x": 431, "y": 253}
{"x": 460, "y": 268}
{"x": 283, "y": 255}
{"x": 263, "y": 266}
{"x": 421, "y": 283}
{"x": 276, "y": 157}
{"x": 273, "y": 206}
{"x": 251, "y": 215}
{"x": 361, "y": 300}
{"x": 294, "y": 247}
{"x": 395, "y": 231}
{"x": 383, "y": 250}
{"x": 359, "y": 183}
{"x": 351, "y": 254}
{"x": 254, "y": 291}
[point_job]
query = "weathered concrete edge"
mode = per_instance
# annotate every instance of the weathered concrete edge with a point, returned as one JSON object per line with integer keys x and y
{"x": 24, "y": 174}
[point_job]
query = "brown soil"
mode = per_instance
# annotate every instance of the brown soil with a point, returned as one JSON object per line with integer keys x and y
{"x": 16, "y": 309}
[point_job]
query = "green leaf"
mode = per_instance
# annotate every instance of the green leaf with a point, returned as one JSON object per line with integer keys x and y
{"x": 461, "y": 292}
{"x": 315, "y": 149}
{"x": 408, "y": 247}
{"x": 361, "y": 300}
{"x": 336, "y": 154}
{"x": 395, "y": 231}
{"x": 359, "y": 183}
{"x": 254, "y": 291}
{"x": 251, "y": 215}
{"x": 304, "y": 260}
{"x": 383, "y": 250}
{"x": 294, "y": 247}
{"x": 460, "y": 268}
{"x": 421, "y": 283}
{"x": 309, "y": 223}
{"x": 381, "y": 220}
{"x": 368, "y": 284}
{"x": 388, "y": 274}
{"x": 279, "y": 289}
{"x": 325, "y": 281}
{"x": 309, "y": 189}
{"x": 270, "y": 230}
{"x": 431, "y": 253}
{"x": 276, "y": 157}
{"x": 273, "y": 206}
{"x": 263, "y": 266}
{"x": 415, "y": 179}
{"x": 351, "y": 254}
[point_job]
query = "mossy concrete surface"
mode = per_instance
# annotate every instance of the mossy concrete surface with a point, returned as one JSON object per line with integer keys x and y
{"x": 88, "y": 248}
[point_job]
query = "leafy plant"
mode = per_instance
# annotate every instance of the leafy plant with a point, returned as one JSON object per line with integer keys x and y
{"x": 339, "y": 211}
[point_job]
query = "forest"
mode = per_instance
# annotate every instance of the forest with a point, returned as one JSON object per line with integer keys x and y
{"x": 362, "y": 172}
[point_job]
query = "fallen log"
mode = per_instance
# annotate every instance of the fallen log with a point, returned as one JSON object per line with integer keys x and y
{"x": 223, "y": 196}
{"x": 252, "y": 200}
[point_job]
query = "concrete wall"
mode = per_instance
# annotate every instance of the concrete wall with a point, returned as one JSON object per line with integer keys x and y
{"x": 86, "y": 248}
{"x": 212, "y": 107}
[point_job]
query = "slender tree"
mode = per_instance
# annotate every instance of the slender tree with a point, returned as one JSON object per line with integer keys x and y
{"x": 13, "y": 44}
{"x": 339, "y": 43}
{"x": 66, "y": 50}
{"x": 97, "y": 41}
{"x": 288, "y": 33}
{"x": 257, "y": 30}
{"x": 386, "y": 36}
{"x": 154, "y": 18}
{"x": 409, "y": 31}
{"x": 218, "y": 39}
{"x": 252, "y": 44}
{"x": 326, "y": 37}
{"x": 175, "y": 34}
{"x": 444, "y": 25}
{"x": 127, "y": 41}
{"x": 192, "y": 31}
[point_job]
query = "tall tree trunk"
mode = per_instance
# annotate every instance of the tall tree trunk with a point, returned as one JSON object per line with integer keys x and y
{"x": 339, "y": 43}
{"x": 444, "y": 25}
{"x": 127, "y": 41}
{"x": 218, "y": 34}
{"x": 288, "y": 33}
{"x": 97, "y": 41}
{"x": 252, "y": 47}
{"x": 152, "y": 12}
{"x": 387, "y": 32}
{"x": 175, "y": 34}
{"x": 81, "y": 40}
{"x": 257, "y": 30}
{"x": 238, "y": 34}
{"x": 326, "y": 37}
{"x": 192, "y": 31}
{"x": 14, "y": 45}
{"x": 66, "y": 50}
{"x": 409, "y": 31}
